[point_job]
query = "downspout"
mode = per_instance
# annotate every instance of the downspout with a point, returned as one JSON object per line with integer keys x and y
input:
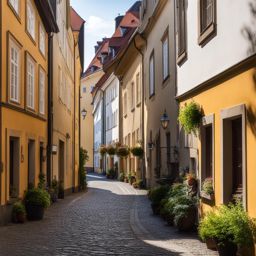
{"x": 142, "y": 115}
{"x": 50, "y": 108}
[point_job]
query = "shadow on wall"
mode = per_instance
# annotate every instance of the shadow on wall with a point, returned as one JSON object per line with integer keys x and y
{"x": 249, "y": 33}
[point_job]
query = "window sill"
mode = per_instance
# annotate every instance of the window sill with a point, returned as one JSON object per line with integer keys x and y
{"x": 152, "y": 95}
{"x": 206, "y": 35}
{"x": 133, "y": 109}
{"x": 138, "y": 104}
{"x": 31, "y": 38}
{"x": 181, "y": 58}
{"x": 165, "y": 80}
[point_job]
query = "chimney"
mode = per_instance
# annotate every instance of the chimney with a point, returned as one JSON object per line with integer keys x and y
{"x": 96, "y": 47}
{"x": 118, "y": 20}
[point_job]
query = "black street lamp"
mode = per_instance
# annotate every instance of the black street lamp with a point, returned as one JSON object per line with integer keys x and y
{"x": 83, "y": 113}
{"x": 164, "y": 120}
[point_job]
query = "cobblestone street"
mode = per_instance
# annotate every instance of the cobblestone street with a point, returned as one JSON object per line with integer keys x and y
{"x": 112, "y": 218}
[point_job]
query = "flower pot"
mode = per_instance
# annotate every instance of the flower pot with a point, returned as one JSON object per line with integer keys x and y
{"x": 211, "y": 244}
{"x": 245, "y": 251}
{"x": 187, "y": 223}
{"x": 34, "y": 212}
{"x": 20, "y": 217}
{"x": 227, "y": 249}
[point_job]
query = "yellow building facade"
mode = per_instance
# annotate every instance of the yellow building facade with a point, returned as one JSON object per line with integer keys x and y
{"x": 24, "y": 83}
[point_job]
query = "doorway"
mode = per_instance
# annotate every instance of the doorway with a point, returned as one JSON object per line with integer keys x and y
{"x": 14, "y": 167}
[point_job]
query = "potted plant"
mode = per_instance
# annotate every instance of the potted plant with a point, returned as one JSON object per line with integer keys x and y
{"x": 185, "y": 212}
{"x": 53, "y": 191}
{"x": 111, "y": 174}
{"x": 36, "y": 201}
{"x": 191, "y": 179}
{"x": 126, "y": 180}
{"x": 230, "y": 227}
{"x": 207, "y": 189}
{"x": 137, "y": 151}
{"x": 156, "y": 195}
{"x": 18, "y": 212}
{"x": 132, "y": 178}
{"x": 123, "y": 151}
{"x": 190, "y": 117}
{"x": 111, "y": 150}
{"x": 102, "y": 150}
{"x": 121, "y": 176}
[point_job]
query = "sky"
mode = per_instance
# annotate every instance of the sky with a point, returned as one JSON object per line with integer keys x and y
{"x": 100, "y": 20}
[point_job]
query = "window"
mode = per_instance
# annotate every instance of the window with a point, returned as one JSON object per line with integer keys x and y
{"x": 14, "y": 62}
{"x": 207, "y": 19}
{"x": 125, "y": 104}
{"x": 138, "y": 89}
{"x": 165, "y": 56}
{"x": 132, "y": 97}
{"x": 41, "y": 91}
{"x": 30, "y": 83}
{"x": 181, "y": 22}
{"x": 15, "y": 5}
{"x": 92, "y": 87}
{"x": 151, "y": 75}
{"x": 31, "y": 19}
{"x": 42, "y": 39}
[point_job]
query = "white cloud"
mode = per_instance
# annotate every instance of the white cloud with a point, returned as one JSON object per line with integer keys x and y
{"x": 99, "y": 27}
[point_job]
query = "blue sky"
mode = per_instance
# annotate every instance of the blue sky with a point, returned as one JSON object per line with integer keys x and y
{"x": 99, "y": 16}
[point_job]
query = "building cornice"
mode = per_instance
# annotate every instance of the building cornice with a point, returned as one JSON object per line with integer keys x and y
{"x": 229, "y": 73}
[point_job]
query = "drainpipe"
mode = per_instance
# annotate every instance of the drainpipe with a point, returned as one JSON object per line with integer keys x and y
{"x": 50, "y": 108}
{"x": 1, "y": 163}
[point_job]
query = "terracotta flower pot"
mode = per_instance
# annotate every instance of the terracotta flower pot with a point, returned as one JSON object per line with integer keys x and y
{"x": 227, "y": 249}
{"x": 211, "y": 244}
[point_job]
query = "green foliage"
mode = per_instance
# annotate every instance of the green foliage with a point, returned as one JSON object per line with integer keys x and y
{"x": 157, "y": 194}
{"x": 111, "y": 150}
{"x": 54, "y": 185}
{"x": 111, "y": 174}
{"x": 137, "y": 151}
{"x": 123, "y": 151}
{"x": 190, "y": 117}
{"x": 207, "y": 186}
{"x": 121, "y": 176}
{"x": 138, "y": 184}
{"x": 37, "y": 196}
{"x": 18, "y": 208}
{"x": 103, "y": 150}
{"x": 228, "y": 223}
{"x": 83, "y": 158}
{"x": 41, "y": 183}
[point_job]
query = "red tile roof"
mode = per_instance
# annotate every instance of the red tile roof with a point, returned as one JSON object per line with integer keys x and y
{"x": 76, "y": 20}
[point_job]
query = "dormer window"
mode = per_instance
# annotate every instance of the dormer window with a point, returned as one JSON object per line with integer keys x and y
{"x": 123, "y": 30}
{"x": 103, "y": 57}
{"x": 112, "y": 52}
{"x": 92, "y": 68}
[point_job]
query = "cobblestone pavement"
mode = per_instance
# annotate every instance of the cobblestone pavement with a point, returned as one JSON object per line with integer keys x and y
{"x": 112, "y": 218}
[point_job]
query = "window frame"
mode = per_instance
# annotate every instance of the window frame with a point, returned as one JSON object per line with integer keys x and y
{"x": 33, "y": 37}
{"x": 13, "y": 42}
{"x": 181, "y": 53}
{"x": 165, "y": 38}
{"x": 206, "y": 33}
{"x": 16, "y": 12}
{"x": 41, "y": 71}
{"x": 132, "y": 96}
{"x": 30, "y": 58}
{"x": 41, "y": 29}
{"x": 138, "y": 89}
{"x": 153, "y": 80}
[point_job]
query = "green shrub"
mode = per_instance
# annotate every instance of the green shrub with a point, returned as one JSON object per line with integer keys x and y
{"x": 190, "y": 117}
{"x": 121, "y": 176}
{"x": 157, "y": 194}
{"x": 111, "y": 174}
{"x": 228, "y": 223}
{"x": 207, "y": 186}
{"x": 38, "y": 197}
{"x": 83, "y": 158}
{"x": 41, "y": 183}
{"x": 18, "y": 208}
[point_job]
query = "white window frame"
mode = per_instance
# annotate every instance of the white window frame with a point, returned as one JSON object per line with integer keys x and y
{"x": 14, "y": 88}
{"x": 42, "y": 44}
{"x": 15, "y": 4}
{"x": 151, "y": 74}
{"x": 31, "y": 19}
{"x": 42, "y": 80}
{"x": 30, "y": 82}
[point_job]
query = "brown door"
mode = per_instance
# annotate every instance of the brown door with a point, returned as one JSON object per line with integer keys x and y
{"x": 237, "y": 156}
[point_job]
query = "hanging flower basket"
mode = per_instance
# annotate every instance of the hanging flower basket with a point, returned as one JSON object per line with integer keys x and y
{"x": 103, "y": 150}
{"x": 111, "y": 150}
{"x": 123, "y": 151}
{"x": 190, "y": 117}
{"x": 137, "y": 151}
